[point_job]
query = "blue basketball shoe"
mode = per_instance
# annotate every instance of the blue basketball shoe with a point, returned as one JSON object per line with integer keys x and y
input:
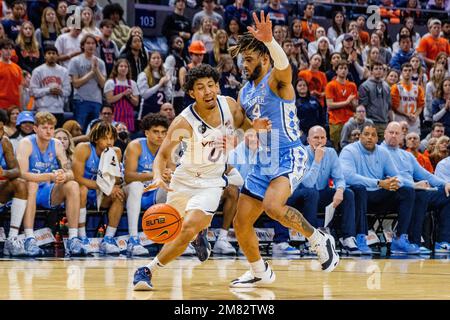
{"x": 142, "y": 279}
{"x": 202, "y": 246}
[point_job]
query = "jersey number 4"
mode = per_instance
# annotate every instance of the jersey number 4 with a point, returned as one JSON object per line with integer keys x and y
{"x": 256, "y": 112}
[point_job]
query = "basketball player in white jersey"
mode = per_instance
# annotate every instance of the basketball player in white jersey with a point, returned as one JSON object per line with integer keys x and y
{"x": 206, "y": 127}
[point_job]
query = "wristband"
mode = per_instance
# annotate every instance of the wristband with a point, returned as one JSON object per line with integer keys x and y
{"x": 280, "y": 60}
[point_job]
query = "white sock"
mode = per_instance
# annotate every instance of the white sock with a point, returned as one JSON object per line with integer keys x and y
{"x": 13, "y": 232}
{"x": 29, "y": 233}
{"x": 135, "y": 190}
{"x": 223, "y": 234}
{"x": 258, "y": 266}
{"x": 316, "y": 236}
{"x": 82, "y": 230}
{"x": 18, "y": 207}
{"x": 73, "y": 233}
{"x": 155, "y": 265}
{"x": 110, "y": 232}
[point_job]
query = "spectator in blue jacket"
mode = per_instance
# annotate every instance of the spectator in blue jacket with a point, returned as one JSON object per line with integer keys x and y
{"x": 414, "y": 176}
{"x": 404, "y": 54}
{"x": 315, "y": 193}
{"x": 375, "y": 181}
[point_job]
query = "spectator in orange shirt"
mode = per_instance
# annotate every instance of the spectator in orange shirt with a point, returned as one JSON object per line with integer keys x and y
{"x": 10, "y": 77}
{"x": 412, "y": 145}
{"x": 408, "y": 100}
{"x": 308, "y": 26}
{"x": 317, "y": 80}
{"x": 430, "y": 45}
{"x": 342, "y": 100}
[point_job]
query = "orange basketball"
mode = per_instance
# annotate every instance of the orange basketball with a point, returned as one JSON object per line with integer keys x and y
{"x": 161, "y": 223}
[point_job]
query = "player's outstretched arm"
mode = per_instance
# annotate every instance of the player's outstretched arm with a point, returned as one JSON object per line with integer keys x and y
{"x": 282, "y": 73}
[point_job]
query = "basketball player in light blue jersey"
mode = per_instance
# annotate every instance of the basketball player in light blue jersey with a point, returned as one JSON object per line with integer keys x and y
{"x": 11, "y": 187}
{"x": 138, "y": 162}
{"x": 269, "y": 95}
{"x": 86, "y": 161}
{"x": 44, "y": 165}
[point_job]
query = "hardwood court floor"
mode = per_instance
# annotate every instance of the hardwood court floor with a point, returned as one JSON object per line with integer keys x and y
{"x": 110, "y": 278}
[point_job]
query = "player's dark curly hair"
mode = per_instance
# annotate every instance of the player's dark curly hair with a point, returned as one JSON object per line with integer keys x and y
{"x": 101, "y": 130}
{"x": 198, "y": 72}
{"x": 247, "y": 42}
{"x": 154, "y": 120}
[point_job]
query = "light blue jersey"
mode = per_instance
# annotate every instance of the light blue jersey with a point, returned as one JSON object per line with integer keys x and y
{"x": 281, "y": 152}
{"x": 43, "y": 162}
{"x": 145, "y": 163}
{"x": 91, "y": 165}
{"x": 262, "y": 102}
{"x": 90, "y": 172}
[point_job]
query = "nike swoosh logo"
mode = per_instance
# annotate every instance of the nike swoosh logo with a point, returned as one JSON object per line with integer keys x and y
{"x": 165, "y": 232}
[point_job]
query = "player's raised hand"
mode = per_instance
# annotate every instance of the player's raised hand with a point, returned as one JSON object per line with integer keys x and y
{"x": 157, "y": 183}
{"x": 263, "y": 31}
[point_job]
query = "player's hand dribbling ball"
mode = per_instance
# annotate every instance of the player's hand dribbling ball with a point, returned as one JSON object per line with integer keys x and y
{"x": 161, "y": 223}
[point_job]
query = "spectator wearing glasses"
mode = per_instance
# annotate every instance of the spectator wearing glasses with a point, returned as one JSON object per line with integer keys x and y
{"x": 358, "y": 121}
{"x": 106, "y": 114}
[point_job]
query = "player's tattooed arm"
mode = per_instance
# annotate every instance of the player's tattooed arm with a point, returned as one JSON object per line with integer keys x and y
{"x": 292, "y": 218}
{"x": 11, "y": 161}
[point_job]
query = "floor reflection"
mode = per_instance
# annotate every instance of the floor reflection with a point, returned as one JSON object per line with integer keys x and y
{"x": 406, "y": 277}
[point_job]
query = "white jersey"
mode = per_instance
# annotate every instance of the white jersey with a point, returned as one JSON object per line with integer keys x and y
{"x": 202, "y": 165}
